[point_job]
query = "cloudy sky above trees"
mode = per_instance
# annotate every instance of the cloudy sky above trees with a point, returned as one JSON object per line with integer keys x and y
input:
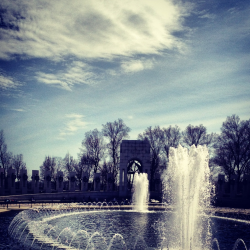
{"x": 67, "y": 68}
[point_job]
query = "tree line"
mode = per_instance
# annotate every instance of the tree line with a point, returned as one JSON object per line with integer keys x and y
{"x": 8, "y": 160}
{"x": 100, "y": 151}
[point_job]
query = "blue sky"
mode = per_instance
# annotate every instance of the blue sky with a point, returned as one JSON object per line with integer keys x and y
{"x": 66, "y": 69}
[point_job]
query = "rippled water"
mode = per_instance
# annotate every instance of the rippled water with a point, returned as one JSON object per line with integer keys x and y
{"x": 134, "y": 230}
{"x": 5, "y": 220}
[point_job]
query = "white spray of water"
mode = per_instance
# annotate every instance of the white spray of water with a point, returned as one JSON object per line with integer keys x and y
{"x": 140, "y": 193}
{"x": 188, "y": 190}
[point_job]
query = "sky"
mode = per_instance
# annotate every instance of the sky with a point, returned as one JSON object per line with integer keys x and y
{"x": 68, "y": 67}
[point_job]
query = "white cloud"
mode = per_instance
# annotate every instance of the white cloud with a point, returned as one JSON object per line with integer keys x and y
{"x": 18, "y": 110}
{"x": 136, "y": 65}
{"x": 72, "y": 125}
{"x": 7, "y": 82}
{"x": 77, "y": 73}
{"x": 87, "y": 29}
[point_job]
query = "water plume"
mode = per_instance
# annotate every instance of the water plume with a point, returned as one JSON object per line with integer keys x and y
{"x": 140, "y": 192}
{"x": 188, "y": 191}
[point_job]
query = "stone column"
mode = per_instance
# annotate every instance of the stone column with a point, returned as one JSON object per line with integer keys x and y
{"x": 246, "y": 186}
{"x": 157, "y": 183}
{"x": 72, "y": 181}
{"x": 2, "y": 177}
{"x": 59, "y": 181}
{"x": 233, "y": 186}
{"x": 35, "y": 181}
{"x": 123, "y": 181}
{"x": 110, "y": 182}
{"x": 11, "y": 176}
{"x": 97, "y": 182}
{"x": 85, "y": 181}
{"x": 221, "y": 185}
{"x": 47, "y": 182}
{"x": 23, "y": 181}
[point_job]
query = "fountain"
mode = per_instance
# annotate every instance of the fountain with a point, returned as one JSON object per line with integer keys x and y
{"x": 185, "y": 227}
{"x": 188, "y": 191}
{"x": 140, "y": 192}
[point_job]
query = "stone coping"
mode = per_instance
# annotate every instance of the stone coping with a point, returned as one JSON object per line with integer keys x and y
{"x": 220, "y": 211}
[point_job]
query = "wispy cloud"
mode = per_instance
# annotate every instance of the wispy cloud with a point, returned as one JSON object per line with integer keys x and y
{"x": 76, "y": 73}
{"x": 47, "y": 29}
{"x": 74, "y": 122}
{"x": 18, "y": 110}
{"x": 7, "y": 82}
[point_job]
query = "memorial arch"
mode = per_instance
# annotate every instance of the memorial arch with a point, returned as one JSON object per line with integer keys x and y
{"x": 134, "y": 158}
{"x": 134, "y": 166}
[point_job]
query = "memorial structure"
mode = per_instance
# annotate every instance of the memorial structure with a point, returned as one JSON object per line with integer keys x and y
{"x": 233, "y": 193}
{"x": 2, "y": 187}
{"x": 47, "y": 182}
{"x": 134, "y": 158}
{"x": 97, "y": 182}
{"x": 72, "y": 181}
{"x": 23, "y": 181}
{"x": 11, "y": 176}
{"x": 35, "y": 181}
{"x": 110, "y": 182}
{"x": 85, "y": 180}
{"x": 59, "y": 181}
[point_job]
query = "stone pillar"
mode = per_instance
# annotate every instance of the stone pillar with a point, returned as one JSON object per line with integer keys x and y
{"x": 35, "y": 181}
{"x": 123, "y": 181}
{"x": 2, "y": 177}
{"x": 97, "y": 182}
{"x": 85, "y": 181}
{"x": 110, "y": 182}
{"x": 233, "y": 186}
{"x": 221, "y": 185}
{"x": 157, "y": 183}
{"x": 246, "y": 186}
{"x": 47, "y": 182}
{"x": 11, "y": 176}
{"x": 23, "y": 181}
{"x": 72, "y": 181}
{"x": 59, "y": 181}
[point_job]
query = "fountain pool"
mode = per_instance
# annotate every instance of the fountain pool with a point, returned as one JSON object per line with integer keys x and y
{"x": 77, "y": 227}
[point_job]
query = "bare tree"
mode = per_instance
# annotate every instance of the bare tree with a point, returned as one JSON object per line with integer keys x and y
{"x": 154, "y": 137}
{"x": 18, "y": 164}
{"x": 49, "y": 164}
{"x": 94, "y": 147}
{"x": 5, "y": 156}
{"x": 86, "y": 164}
{"x": 171, "y": 137}
{"x": 68, "y": 164}
{"x": 59, "y": 163}
{"x": 106, "y": 168}
{"x": 79, "y": 171}
{"x": 115, "y": 132}
{"x": 232, "y": 150}
{"x": 197, "y": 135}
